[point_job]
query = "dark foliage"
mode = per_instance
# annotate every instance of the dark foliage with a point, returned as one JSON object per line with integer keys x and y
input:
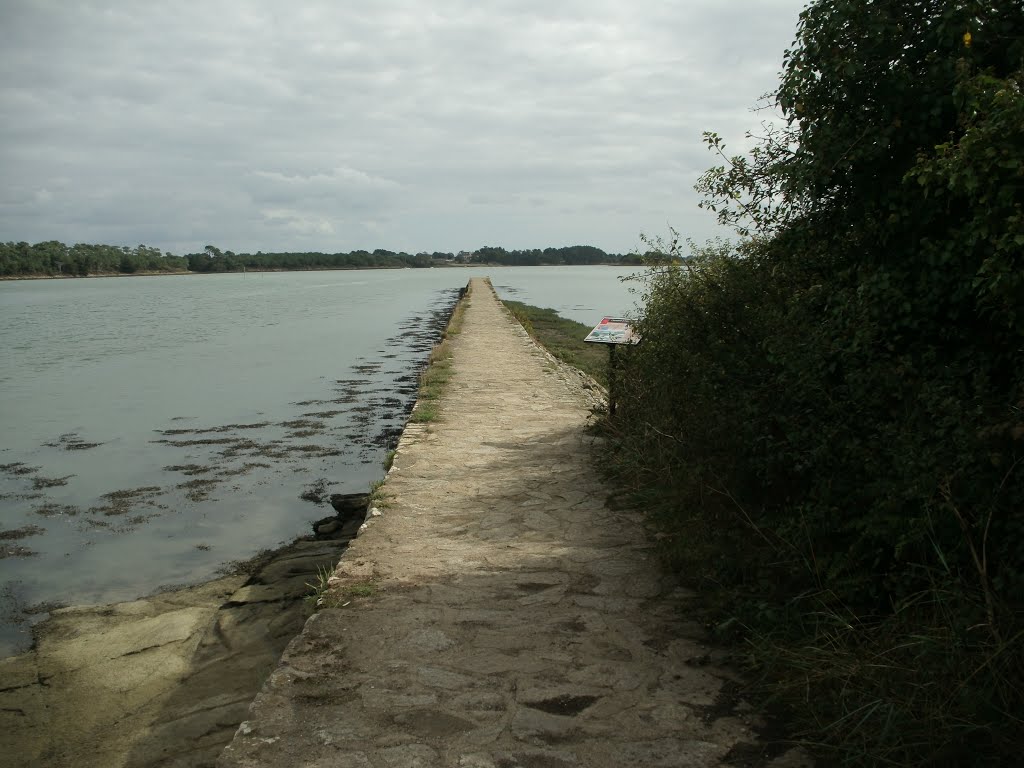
{"x": 55, "y": 258}
{"x": 569, "y": 255}
{"x": 829, "y": 418}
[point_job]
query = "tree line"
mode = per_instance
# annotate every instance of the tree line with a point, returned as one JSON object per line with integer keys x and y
{"x": 826, "y": 416}
{"x": 53, "y": 258}
{"x": 571, "y": 255}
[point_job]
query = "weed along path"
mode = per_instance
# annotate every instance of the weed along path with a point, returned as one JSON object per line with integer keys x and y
{"x": 497, "y": 613}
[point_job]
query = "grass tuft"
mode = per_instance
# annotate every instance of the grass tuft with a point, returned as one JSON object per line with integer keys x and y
{"x": 378, "y": 496}
{"x": 435, "y": 377}
{"x": 319, "y": 586}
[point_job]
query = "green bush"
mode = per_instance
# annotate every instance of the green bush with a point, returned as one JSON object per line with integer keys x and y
{"x": 828, "y": 419}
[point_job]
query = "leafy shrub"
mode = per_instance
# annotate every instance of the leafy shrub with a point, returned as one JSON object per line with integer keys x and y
{"x": 827, "y": 418}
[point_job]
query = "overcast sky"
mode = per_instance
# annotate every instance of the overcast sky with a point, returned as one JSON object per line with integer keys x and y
{"x": 408, "y": 125}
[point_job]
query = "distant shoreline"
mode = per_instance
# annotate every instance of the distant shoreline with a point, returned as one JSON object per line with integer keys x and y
{"x": 38, "y": 276}
{"x": 179, "y": 273}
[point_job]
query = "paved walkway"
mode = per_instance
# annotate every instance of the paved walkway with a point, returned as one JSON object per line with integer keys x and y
{"x": 497, "y": 614}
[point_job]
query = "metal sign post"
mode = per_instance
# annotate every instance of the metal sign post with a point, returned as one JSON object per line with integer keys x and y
{"x": 613, "y": 331}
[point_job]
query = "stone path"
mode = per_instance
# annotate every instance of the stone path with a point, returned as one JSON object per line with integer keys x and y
{"x": 498, "y": 613}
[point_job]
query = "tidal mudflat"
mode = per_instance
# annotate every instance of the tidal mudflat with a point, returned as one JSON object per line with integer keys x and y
{"x": 127, "y": 468}
{"x": 164, "y": 679}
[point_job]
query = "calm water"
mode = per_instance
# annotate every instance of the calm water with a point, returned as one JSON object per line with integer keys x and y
{"x": 156, "y": 428}
{"x": 584, "y": 294}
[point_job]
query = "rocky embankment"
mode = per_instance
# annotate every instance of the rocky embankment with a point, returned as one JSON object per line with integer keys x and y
{"x": 165, "y": 680}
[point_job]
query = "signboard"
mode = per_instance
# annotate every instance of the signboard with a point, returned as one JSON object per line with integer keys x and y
{"x": 613, "y": 330}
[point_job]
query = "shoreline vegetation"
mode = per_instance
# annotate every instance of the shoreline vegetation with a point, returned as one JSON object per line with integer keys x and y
{"x": 563, "y": 338}
{"x": 53, "y": 259}
{"x": 436, "y": 374}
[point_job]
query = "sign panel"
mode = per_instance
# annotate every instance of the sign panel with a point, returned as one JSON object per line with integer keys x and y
{"x": 613, "y": 330}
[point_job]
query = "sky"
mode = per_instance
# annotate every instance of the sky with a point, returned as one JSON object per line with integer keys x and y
{"x": 410, "y": 125}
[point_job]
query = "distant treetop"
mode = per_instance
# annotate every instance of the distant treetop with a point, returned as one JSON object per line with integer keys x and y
{"x": 55, "y": 258}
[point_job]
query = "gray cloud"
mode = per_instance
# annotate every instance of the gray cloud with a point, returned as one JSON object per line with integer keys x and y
{"x": 260, "y": 125}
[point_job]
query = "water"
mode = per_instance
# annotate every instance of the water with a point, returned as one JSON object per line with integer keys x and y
{"x": 583, "y": 294}
{"x": 156, "y": 428}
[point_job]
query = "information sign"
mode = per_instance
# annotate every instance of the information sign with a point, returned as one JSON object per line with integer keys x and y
{"x": 613, "y": 330}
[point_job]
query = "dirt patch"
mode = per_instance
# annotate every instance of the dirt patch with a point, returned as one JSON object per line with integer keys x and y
{"x": 202, "y": 441}
{"x": 39, "y": 483}
{"x": 244, "y": 469}
{"x": 318, "y": 449}
{"x": 246, "y": 447}
{"x": 55, "y": 510}
{"x": 188, "y": 469}
{"x": 303, "y": 424}
{"x": 18, "y": 468}
{"x": 211, "y": 430}
{"x": 15, "y": 550}
{"x": 72, "y": 442}
{"x": 315, "y": 492}
{"x": 124, "y": 501}
{"x": 21, "y": 496}
{"x": 198, "y": 489}
{"x": 12, "y": 534}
